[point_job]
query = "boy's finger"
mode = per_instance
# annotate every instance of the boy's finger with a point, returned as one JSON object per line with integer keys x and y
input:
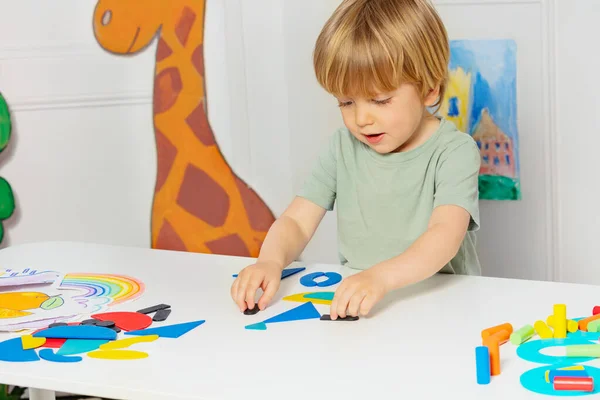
{"x": 354, "y": 304}
{"x": 334, "y": 303}
{"x": 342, "y": 305}
{"x": 241, "y": 294}
{"x": 366, "y": 305}
{"x": 251, "y": 289}
{"x": 268, "y": 294}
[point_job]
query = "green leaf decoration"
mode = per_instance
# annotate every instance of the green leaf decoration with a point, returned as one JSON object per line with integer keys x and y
{"x": 52, "y": 303}
{"x": 7, "y": 199}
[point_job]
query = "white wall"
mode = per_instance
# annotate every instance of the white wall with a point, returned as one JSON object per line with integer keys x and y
{"x": 577, "y": 106}
{"x": 97, "y": 184}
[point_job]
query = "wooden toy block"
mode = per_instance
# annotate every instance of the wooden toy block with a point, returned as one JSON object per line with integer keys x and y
{"x": 522, "y": 335}
{"x": 490, "y": 331}
{"x": 543, "y": 330}
{"x": 560, "y": 321}
{"x": 482, "y": 363}
{"x": 575, "y": 383}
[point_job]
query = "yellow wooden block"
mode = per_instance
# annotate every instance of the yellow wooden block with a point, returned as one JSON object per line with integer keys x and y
{"x": 124, "y": 343}
{"x": 572, "y": 326}
{"x": 30, "y": 342}
{"x": 117, "y": 354}
{"x": 542, "y": 330}
{"x": 299, "y": 297}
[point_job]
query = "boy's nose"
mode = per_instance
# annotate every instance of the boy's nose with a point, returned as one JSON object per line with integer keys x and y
{"x": 362, "y": 117}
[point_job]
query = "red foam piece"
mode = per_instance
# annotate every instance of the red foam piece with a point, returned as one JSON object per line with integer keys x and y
{"x": 54, "y": 343}
{"x": 126, "y": 320}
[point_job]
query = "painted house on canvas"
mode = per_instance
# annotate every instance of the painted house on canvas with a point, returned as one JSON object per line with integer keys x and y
{"x": 496, "y": 148}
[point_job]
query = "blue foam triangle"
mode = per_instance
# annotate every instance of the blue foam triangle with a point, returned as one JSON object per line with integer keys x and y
{"x": 304, "y": 311}
{"x": 169, "y": 331}
{"x": 12, "y": 350}
{"x": 261, "y": 326}
{"x": 291, "y": 271}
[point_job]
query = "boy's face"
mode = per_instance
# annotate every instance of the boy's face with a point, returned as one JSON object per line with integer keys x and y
{"x": 389, "y": 122}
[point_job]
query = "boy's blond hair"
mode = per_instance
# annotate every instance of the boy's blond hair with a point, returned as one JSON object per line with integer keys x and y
{"x": 370, "y": 46}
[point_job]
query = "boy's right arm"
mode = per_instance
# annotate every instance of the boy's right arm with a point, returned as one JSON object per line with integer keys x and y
{"x": 285, "y": 241}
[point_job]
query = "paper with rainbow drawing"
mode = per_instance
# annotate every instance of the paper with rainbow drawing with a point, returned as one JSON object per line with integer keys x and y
{"x": 69, "y": 297}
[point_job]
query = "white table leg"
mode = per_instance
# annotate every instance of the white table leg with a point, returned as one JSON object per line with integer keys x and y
{"x": 41, "y": 394}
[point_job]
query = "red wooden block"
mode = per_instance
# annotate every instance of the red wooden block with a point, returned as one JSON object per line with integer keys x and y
{"x": 579, "y": 383}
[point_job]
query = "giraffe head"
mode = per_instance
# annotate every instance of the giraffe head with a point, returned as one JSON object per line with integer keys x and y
{"x": 127, "y": 26}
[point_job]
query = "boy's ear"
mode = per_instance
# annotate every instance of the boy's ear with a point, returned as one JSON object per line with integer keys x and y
{"x": 432, "y": 96}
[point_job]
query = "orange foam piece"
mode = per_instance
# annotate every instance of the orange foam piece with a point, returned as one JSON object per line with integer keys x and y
{"x": 126, "y": 320}
{"x": 498, "y": 328}
{"x": 583, "y": 323}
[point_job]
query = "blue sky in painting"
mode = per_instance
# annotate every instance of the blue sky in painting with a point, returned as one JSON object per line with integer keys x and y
{"x": 492, "y": 64}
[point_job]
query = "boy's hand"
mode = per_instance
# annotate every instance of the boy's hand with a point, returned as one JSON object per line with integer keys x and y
{"x": 358, "y": 294}
{"x": 266, "y": 275}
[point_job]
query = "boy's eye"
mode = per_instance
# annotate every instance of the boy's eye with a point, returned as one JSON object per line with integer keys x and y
{"x": 381, "y": 102}
{"x": 344, "y": 103}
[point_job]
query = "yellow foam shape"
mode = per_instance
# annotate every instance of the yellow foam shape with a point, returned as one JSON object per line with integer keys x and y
{"x": 124, "y": 343}
{"x": 299, "y": 297}
{"x": 30, "y": 342}
{"x": 117, "y": 354}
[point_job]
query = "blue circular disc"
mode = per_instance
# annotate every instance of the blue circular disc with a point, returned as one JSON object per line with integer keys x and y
{"x": 308, "y": 280}
{"x": 332, "y": 279}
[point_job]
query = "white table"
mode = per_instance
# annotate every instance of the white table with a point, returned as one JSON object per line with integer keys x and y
{"x": 418, "y": 344}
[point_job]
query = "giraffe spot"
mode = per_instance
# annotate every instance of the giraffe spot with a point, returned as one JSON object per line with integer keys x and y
{"x": 183, "y": 27}
{"x": 231, "y": 245}
{"x": 260, "y": 216}
{"x": 162, "y": 50}
{"x": 168, "y": 239}
{"x": 166, "y": 154}
{"x": 202, "y": 197}
{"x": 198, "y": 123}
{"x": 167, "y": 87}
{"x": 198, "y": 59}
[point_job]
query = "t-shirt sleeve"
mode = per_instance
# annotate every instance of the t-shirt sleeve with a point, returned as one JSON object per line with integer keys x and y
{"x": 457, "y": 180}
{"x": 320, "y": 187}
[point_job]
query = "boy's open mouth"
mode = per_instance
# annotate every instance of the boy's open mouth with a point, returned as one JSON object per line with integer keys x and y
{"x": 374, "y": 137}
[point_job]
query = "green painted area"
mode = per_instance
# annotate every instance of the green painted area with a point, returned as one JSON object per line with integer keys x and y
{"x": 492, "y": 187}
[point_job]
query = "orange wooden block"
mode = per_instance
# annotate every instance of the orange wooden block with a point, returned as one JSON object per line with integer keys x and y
{"x": 502, "y": 337}
{"x": 493, "y": 344}
{"x": 584, "y": 322}
{"x": 498, "y": 328}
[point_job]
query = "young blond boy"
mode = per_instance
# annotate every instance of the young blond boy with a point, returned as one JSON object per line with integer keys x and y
{"x": 405, "y": 181}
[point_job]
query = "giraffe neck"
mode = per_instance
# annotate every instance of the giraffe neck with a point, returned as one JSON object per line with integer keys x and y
{"x": 179, "y": 85}
{"x": 180, "y": 121}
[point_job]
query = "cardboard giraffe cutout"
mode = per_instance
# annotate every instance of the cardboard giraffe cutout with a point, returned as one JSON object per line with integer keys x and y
{"x": 200, "y": 204}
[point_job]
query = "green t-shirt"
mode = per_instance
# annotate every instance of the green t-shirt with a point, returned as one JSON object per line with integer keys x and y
{"x": 384, "y": 201}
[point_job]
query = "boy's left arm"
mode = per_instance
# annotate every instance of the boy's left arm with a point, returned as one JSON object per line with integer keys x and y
{"x": 454, "y": 209}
